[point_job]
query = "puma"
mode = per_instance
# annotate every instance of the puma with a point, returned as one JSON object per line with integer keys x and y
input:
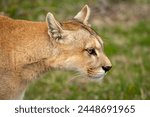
{"x": 29, "y": 49}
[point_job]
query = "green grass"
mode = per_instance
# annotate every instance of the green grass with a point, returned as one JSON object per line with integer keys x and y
{"x": 127, "y": 47}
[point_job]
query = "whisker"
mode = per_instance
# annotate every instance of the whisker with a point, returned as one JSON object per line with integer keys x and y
{"x": 77, "y": 75}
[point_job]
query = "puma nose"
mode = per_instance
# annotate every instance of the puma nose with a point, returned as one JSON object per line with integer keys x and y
{"x": 106, "y": 68}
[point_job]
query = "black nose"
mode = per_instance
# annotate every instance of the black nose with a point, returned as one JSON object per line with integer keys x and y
{"x": 106, "y": 68}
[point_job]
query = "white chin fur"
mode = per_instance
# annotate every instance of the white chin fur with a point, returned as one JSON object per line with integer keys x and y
{"x": 100, "y": 75}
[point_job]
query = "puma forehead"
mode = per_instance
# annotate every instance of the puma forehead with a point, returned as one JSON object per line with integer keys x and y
{"x": 76, "y": 25}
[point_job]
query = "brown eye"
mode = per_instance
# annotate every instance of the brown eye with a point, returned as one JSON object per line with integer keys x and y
{"x": 91, "y": 51}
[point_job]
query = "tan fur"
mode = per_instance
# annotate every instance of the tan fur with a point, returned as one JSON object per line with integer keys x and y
{"x": 27, "y": 50}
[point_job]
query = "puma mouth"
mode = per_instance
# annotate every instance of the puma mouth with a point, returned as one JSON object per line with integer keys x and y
{"x": 99, "y": 75}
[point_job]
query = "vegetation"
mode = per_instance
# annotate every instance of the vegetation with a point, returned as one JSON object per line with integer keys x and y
{"x": 128, "y": 47}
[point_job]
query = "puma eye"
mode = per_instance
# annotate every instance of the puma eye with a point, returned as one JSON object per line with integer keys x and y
{"x": 91, "y": 51}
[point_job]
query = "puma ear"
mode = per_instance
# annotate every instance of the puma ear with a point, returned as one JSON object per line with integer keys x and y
{"x": 54, "y": 27}
{"x": 83, "y": 15}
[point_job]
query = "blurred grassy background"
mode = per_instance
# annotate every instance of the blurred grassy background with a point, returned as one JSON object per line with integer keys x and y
{"x": 124, "y": 26}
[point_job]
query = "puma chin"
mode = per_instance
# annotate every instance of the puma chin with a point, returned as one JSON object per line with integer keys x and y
{"x": 99, "y": 75}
